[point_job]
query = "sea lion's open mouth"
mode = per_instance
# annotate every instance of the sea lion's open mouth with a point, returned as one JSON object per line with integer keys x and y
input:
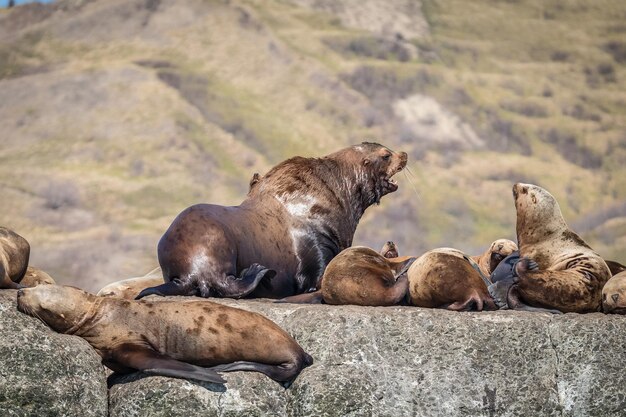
{"x": 391, "y": 254}
{"x": 390, "y": 184}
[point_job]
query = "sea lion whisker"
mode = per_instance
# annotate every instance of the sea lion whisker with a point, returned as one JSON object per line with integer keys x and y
{"x": 412, "y": 183}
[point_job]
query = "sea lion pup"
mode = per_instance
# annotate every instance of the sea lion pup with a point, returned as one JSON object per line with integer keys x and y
{"x": 447, "y": 278}
{"x": 498, "y": 250}
{"x": 14, "y": 254}
{"x": 129, "y": 288}
{"x": 614, "y": 294}
{"x": 299, "y": 215}
{"x": 569, "y": 275}
{"x": 194, "y": 339}
{"x": 35, "y": 276}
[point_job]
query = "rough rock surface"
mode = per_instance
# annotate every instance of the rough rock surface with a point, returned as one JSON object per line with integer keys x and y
{"x": 43, "y": 373}
{"x": 393, "y": 361}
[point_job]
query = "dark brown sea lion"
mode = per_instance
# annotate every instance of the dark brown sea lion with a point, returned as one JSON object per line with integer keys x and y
{"x": 299, "y": 215}
{"x": 614, "y": 294}
{"x": 447, "y": 278}
{"x": 14, "y": 254}
{"x": 615, "y": 267}
{"x": 130, "y": 288}
{"x": 569, "y": 275}
{"x": 194, "y": 339}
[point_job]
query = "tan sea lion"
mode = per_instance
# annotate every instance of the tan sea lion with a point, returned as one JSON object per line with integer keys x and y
{"x": 14, "y": 254}
{"x": 35, "y": 276}
{"x": 447, "y": 278}
{"x": 360, "y": 276}
{"x": 128, "y": 289}
{"x": 492, "y": 257}
{"x": 295, "y": 219}
{"x": 557, "y": 269}
{"x": 614, "y": 294}
{"x": 194, "y": 339}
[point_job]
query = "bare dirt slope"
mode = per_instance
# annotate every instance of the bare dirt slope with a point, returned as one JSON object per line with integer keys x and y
{"x": 115, "y": 115}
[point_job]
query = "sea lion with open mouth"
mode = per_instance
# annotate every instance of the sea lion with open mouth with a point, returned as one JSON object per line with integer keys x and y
{"x": 278, "y": 241}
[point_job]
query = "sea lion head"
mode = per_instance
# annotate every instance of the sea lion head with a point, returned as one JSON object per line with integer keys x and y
{"x": 378, "y": 164}
{"x": 389, "y": 250}
{"x": 614, "y": 295}
{"x": 60, "y": 307}
{"x": 538, "y": 213}
{"x": 499, "y": 250}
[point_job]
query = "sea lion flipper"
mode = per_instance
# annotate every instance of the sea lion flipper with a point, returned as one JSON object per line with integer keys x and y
{"x": 169, "y": 288}
{"x": 404, "y": 266}
{"x": 147, "y": 360}
{"x": 248, "y": 280}
{"x": 314, "y": 297}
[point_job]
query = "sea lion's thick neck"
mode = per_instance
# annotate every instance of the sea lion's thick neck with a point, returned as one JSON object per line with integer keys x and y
{"x": 78, "y": 327}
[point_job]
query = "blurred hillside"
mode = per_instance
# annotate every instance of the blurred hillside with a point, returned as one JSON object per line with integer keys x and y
{"x": 115, "y": 115}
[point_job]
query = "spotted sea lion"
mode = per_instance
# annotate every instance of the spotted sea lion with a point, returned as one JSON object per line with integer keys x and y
{"x": 129, "y": 288}
{"x": 195, "y": 339}
{"x": 14, "y": 255}
{"x": 557, "y": 270}
{"x": 278, "y": 241}
{"x": 614, "y": 294}
{"x": 448, "y": 278}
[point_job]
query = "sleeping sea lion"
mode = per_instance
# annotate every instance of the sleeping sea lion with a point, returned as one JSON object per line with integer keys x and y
{"x": 448, "y": 278}
{"x": 178, "y": 339}
{"x": 130, "y": 288}
{"x": 295, "y": 219}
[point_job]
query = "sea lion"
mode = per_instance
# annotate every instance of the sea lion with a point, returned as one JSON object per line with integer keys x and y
{"x": 389, "y": 250}
{"x": 557, "y": 270}
{"x": 360, "y": 276}
{"x": 299, "y": 215}
{"x": 129, "y": 288}
{"x": 498, "y": 250}
{"x": 256, "y": 177}
{"x": 447, "y": 278}
{"x": 194, "y": 339}
{"x": 614, "y": 294}
{"x": 35, "y": 276}
{"x": 14, "y": 255}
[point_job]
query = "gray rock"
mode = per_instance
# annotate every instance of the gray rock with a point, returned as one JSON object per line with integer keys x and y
{"x": 369, "y": 361}
{"x": 43, "y": 373}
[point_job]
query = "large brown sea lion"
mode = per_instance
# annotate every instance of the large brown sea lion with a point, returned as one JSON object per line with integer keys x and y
{"x": 14, "y": 254}
{"x": 447, "y": 278}
{"x": 193, "y": 339}
{"x": 557, "y": 269}
{"x": 130, "y": 288}
{"x": 295, "y": 219}
{"x": 614, "y": 294}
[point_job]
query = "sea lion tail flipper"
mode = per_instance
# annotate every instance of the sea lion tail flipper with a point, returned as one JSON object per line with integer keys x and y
{"x": 403, "y": 266}
{"x": 147, "y": 360}
{"x": 285, "y": 373}
{"x": 314, "y": 297}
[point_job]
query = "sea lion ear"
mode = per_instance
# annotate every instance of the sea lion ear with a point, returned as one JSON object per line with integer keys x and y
{"x": 366, "y": 162}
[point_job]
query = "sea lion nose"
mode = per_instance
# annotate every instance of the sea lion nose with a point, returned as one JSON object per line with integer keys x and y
{"x": 20, "y": 292}
{"x": 390, "y": 243}
{"x": 615, "y": 297}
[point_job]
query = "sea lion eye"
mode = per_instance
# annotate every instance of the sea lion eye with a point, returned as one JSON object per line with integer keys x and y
{"x": 386, "y": 156}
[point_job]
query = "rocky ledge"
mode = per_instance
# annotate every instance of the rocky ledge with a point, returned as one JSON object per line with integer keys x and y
{"x": 393, "y": 361}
